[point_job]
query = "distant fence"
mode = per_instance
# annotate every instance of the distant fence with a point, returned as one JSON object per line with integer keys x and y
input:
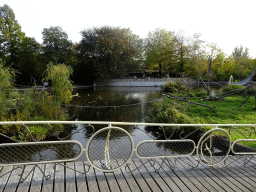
{"x": 148, "y": 82}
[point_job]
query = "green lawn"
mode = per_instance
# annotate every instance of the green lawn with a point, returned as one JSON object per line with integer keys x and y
{"x": 228, "y": 112}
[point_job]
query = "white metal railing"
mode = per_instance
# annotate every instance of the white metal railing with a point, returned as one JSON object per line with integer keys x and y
{"x": 123, "y": 123}
{"x": 111, "y": 147}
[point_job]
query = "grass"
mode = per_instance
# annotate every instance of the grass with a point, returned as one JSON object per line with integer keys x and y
{"x": 228, "y": 112}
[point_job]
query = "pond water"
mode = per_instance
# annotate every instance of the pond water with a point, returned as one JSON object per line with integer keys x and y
{"x": 120, "y": 104}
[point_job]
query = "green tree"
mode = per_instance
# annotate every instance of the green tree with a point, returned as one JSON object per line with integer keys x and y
{"x": 56, "y": 47}
{"x": 109, "y": 52}
{"x": 243, "y": 65}
{"x": 182, "y": 50}
{"x": 159, "y": 50}
{"x": 240, "y": 53}
{"x": 59, "y": 75}
{"x": 7, "y": 94}
{"x": 10, "y": 36}
{"x": 29, "y": 61}
{"x": 196, "y": 57}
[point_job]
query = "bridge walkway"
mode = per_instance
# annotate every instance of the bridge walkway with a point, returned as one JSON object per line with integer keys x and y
{"x": 143, "y": 177}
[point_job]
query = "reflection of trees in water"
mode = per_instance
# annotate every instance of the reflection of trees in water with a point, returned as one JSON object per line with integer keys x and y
{"x": 193, "y": 133}
{"x": 114, "y": 134}
{"x": 71, "y": 129}
{"x": 97, "y": 106}
{"x": 178, "y": 134}
{"x": 39, "y": 152}
{"x": 176, "y": 147}
{"x": 90, "y": 97}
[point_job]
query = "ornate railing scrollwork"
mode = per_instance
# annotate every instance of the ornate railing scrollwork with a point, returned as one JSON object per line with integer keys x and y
{"x": 111, "y": 147}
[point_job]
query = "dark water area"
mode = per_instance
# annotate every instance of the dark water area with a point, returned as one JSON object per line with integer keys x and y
{"x": 119, "y": 104}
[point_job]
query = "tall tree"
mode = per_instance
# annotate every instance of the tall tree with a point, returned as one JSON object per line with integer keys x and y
{"x": 243, "y": 65}
{"x": 182, "y": 49}
{"x": 159, "y": 50}
{"x": 56, "y": 46}
{"x": 240, "y": 53}
{"x": 30, "y": 65}
{"x": 109, "y": 52}
{"x": 10, "y": 35}
{"x": 196, "y": 57}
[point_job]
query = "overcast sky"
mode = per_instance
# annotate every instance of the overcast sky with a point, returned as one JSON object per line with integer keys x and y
{"x": 229, "y": 23}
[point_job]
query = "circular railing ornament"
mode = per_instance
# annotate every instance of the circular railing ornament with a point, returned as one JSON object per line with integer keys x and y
{"x": 213, "y": 147}
{"x": 109, "y": 149}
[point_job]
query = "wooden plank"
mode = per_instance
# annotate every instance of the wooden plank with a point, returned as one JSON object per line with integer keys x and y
{"x": 224, "y": 183}
{"x": 81, "y": 179}
{"x": 122, "y": 181}
{"x": 230, "y": 179}
{"x": 146, "y": 176}
{"x": 178, "y": 182}
{"x": 70, "y": 177}
{"x": 47, "y": 184}
{"x": 101, "y": 180}
{"x": 240, "y": 177}
{"x": 111, "y": 180}
{"x": 59, "y": 176}
{"x": 155, "y": 176}
{"x": 199, "y": 173}
{"x": 91, "y": 180}
{"x": 154, "y": 185}
{"x": 142, "y": 185}
{"x": 130, "y": 180}
{"x": 197, "y": 182}
{"x": 5, "y": 176}
{"x": 185, "y": 180}
{"x": 192, "y": 173}
{"x": 248, "y": 172}
{"x": 36, "y": 183}
{"x": 214, "y": 176}
{"x": 27, "y": 177}
{"x": 162, "y": 174}
{"x": 13, "y": 182}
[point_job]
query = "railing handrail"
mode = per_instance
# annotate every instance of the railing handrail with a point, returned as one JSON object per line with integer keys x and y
{"x": 119, "y": 123}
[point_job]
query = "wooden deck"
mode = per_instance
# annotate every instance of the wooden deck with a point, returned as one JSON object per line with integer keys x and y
{"x": 235, "y": 177}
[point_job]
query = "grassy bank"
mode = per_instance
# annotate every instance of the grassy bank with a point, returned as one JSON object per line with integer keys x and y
{"x": 225, "y": 111}
{"x": 228, "y": 112}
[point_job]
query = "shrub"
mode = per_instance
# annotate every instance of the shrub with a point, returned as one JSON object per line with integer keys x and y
{"x": 34, "y": 105}
{"x": 165, "y": 112}
{"x": 171, "y": 87}
{"x": 232, "y": 88}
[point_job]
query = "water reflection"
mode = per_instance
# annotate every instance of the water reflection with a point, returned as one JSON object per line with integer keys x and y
{"x": 120, "y": 104}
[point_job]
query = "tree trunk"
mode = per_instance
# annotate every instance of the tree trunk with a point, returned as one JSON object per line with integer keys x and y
{"x": 160, "y": 69}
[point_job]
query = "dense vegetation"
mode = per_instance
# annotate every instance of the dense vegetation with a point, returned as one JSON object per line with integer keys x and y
{"x": 34, "y": 104}
{"x": 111, "y": 52}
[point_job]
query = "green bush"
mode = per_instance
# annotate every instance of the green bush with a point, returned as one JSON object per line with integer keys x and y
{"x": 166, "y": 112}
{"x": 33, "y": 104}
{"x": 232, "y": 88}
{"x": 171, "y": 87}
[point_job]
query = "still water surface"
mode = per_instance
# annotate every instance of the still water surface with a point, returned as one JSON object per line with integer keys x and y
{"x": 120, "y": 104}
